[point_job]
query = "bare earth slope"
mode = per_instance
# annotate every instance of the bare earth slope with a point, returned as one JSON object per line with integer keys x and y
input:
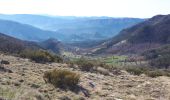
{"x": 23, "y": 80}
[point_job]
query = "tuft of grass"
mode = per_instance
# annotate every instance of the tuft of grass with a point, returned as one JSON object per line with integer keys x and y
{"x": 7, "y": 93}
{"x": 62, "y": 78}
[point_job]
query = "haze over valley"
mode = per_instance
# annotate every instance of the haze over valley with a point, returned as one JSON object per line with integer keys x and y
{"x": 68, "y": 29}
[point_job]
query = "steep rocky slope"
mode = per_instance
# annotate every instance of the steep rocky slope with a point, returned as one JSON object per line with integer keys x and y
{"x": 24, "y": 81}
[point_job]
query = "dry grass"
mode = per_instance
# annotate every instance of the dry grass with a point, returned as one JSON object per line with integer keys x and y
{"x": 62, "y": 78}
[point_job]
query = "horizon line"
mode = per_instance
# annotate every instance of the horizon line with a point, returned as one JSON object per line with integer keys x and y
{"x": 52, "y": 15}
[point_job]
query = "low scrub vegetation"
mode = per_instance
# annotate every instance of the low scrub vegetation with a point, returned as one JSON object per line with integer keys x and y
{"x": 85, "y": 65}
{"x": 151, "y": 72}
{"x": 155, "y": 73}
{"x": 94, "y": 66}
{"x": 62, "y": 78}
{"x": 40, "y": 56}
{"x": 159, "y": 58}
{"x": 103, "y": 68}
{"x": 89, "y": 65}
{"x": 163, "y": 61}
{"x": 135, "y": 70}
{"x": 158, "y": 72}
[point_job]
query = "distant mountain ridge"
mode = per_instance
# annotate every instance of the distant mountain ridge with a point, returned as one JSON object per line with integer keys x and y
{"x": 72, "y": 29}
{"x": 149, "y": 34}
{"x": 24, "y": 31}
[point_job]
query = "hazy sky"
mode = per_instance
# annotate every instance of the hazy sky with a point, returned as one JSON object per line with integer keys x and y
{"x": 115, "y": 8}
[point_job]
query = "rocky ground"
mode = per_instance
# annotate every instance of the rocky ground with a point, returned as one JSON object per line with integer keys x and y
{"x": 23, "y": 80}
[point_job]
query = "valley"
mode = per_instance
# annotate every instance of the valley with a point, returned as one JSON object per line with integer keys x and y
{"x": 84, "y": 58}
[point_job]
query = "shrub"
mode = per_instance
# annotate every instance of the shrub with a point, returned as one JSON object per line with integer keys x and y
{"x": 102, "y": 71}
{"x": 62, "y": 78}
{"x": 158, "y": 72}
{"x": 85, "y": 65}
{"x": 136, "y": 70}
{"x": 104, "y": 65}
{"x": 155, "y": 73}
{"x": 161, "y": 62}
{"x": 40, "y": 56}
{"x": 167, "y": 72}
{"x": 91, "y": 66}
{"x": 159, "y": 57}
{"x": 151, "y": 72}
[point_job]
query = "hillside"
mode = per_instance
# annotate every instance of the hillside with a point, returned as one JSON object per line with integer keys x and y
{"x": 158, "y": 57}
{"x": 73, "y": 29}
{"x": 52, "y": 45}
{"x": 25, "y": 32}
{"x": 24, "y": 81}
{"x": 146, "y": 35}
{"x": 12, "y": 45}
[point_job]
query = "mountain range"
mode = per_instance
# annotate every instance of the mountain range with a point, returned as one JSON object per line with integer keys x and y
{"x": 148, "y": 34}
{"x": 24, "y": 31}
{"x": 71, "y": 29}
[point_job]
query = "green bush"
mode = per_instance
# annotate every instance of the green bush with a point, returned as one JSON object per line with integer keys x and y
{"x": 40, "y": 56}
{"x": 62, "y": 78}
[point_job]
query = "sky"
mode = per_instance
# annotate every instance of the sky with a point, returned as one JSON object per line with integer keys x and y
{"x": 111, "y": 8}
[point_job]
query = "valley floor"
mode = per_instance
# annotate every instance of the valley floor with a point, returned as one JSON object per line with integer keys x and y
{"x": 24, "y": 81}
